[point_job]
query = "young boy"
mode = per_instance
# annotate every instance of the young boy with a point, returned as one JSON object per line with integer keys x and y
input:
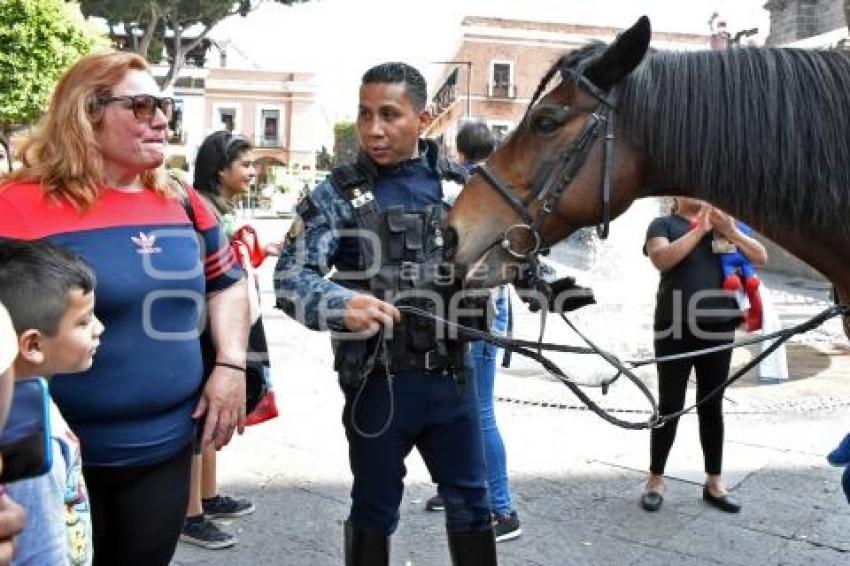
{"x": 49, "y": 293}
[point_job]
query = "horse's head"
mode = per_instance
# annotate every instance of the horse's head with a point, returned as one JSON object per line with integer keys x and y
{"x": 545, "y": 181}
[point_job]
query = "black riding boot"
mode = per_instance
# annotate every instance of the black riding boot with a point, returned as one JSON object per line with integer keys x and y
{"x": 473, "y": 549}
{"x": 365, "y": 548}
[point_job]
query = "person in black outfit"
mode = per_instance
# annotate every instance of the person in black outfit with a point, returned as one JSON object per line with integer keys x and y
{"x": 693, "y": 312}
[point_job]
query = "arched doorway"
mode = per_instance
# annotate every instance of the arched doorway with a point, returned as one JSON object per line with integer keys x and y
{"x": 267, "y": 184}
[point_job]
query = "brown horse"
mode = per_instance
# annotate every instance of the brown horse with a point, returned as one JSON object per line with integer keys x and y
{"x": 761, "y": 133}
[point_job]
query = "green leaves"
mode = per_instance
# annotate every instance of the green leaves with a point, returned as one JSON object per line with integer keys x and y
{"x": 39, "y": 39}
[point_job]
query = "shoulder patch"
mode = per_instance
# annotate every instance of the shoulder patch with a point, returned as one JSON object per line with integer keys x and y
{"x": 295, "y": 229}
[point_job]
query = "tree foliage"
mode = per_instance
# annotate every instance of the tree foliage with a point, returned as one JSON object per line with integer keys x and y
{"x": 39, "y": 39}
{"x": 148, "y": 25}
{"x": 346, "y": 145}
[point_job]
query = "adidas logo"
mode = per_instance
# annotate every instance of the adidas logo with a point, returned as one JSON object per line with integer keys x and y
{"x": 146, "y": 244}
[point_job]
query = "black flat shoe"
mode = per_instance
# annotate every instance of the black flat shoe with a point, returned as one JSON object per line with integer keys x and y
{"x": 651, "y": 501}
{"x": 727, "y": 503}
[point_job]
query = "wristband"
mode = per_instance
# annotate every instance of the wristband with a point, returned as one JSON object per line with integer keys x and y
{"x": 231, "y": 366}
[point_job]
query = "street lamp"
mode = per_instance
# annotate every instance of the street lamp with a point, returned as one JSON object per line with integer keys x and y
{"x": 468, "y": 65}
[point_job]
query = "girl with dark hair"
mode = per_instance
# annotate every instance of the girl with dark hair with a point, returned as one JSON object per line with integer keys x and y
{"x": 224, "y": 171}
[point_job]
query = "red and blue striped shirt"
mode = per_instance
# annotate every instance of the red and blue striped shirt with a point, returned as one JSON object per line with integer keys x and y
{"x": 133, "y": 407}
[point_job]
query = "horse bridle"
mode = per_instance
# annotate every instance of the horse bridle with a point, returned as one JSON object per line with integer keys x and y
{"x": 552, "y": 186}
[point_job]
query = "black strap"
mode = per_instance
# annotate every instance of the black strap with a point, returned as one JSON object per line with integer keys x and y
{"x": 509, "y": 331}
{"x": 505, "y": 191}
{"x": 182, "y": 190}
{"x": 534, "y": 350}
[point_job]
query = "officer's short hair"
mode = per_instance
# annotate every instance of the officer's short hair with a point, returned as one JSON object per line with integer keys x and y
{"x": 36, "y": 281}
{"x": 475, "y": 141}
{"x": 396, "y": 72}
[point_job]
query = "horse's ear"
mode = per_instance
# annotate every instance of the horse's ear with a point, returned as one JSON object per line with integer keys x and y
{"x": 622, "y": 56}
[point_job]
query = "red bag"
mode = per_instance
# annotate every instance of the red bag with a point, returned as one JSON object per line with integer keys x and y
{"x": 260, "y": 400}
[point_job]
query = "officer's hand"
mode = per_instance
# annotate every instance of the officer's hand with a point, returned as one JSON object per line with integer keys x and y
{"x": 365, "y": 313}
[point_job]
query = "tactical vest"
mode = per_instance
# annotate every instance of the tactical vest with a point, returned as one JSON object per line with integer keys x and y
{"x": 399, "y": 259}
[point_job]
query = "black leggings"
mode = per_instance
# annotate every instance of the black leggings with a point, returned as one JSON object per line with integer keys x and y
{"x": 138, "y": 511}
{"x": 711, "y": 370}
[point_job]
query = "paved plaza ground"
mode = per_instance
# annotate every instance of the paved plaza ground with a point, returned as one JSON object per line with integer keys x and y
{"x": 575, "y": 479}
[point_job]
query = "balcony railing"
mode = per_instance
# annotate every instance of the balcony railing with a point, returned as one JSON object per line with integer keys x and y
{"x": 501, "y": 90}
{"x": 263, "y": 141}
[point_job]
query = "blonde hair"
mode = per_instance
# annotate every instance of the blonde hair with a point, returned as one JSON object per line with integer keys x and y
{"x": 63, "y": 154}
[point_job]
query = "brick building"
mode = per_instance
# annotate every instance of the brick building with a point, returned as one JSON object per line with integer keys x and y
{"x": 275, "y": 110}
{"x": 795, "y": 20}
{"x": 499, "y": 63}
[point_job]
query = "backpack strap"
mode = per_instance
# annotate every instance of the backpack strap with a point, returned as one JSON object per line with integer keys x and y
{"x": 182, "y": 189}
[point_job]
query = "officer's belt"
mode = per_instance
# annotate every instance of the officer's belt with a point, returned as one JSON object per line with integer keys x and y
{"x": 429, "y": 361}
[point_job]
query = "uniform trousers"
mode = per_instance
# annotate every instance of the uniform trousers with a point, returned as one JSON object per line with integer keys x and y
{"x": 438, "y": 416}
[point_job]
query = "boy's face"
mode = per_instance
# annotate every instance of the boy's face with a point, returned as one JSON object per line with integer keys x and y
{"x": 72, "y": 347}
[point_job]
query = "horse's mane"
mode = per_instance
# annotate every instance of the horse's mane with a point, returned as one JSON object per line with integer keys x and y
{"x": 763, "y": 130}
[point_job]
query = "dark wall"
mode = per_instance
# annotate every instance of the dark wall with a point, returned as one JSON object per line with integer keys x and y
{"x": 791, "y": 20}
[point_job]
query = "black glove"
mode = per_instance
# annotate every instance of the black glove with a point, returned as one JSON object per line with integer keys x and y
{"x": 565, "y": 296}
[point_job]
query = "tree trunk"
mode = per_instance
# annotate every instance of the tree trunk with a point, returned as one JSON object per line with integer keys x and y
{"x": 153, "y": 22}
{"x": 178, "y": 59}
{"x": 132, "y": 40}
{"x": 178, "y": 62}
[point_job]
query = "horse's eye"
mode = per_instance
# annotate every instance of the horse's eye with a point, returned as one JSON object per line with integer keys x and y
{"x": 546, "y": 124}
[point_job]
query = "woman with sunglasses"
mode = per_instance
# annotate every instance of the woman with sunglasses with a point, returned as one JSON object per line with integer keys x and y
{"x": 92, "y": 181}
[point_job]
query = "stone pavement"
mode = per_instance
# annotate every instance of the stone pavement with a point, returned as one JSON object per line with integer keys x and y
{"x": 575, "y": 479}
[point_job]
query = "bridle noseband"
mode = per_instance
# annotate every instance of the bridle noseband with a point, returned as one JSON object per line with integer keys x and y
{"x": 552, "y": 186}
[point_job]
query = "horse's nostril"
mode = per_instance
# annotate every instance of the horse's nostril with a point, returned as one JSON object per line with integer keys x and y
{"x": 449, "y": 243}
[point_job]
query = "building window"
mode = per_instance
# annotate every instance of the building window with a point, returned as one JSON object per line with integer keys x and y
{"x": 175, "y": 126}
{"x": 227, "y": 119}
{"x": 500, "y": 130}
{"x": 501, "y": 80}
{"x": 270, "y": 128}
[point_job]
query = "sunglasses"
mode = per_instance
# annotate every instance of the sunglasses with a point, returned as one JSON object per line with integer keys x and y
{"x": 144, "y": 106}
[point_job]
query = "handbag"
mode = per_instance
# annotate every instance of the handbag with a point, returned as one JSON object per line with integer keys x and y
{"x": 260, "y": 402}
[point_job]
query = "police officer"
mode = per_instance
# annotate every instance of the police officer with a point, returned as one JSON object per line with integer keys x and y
{"x": 378, "y": 223}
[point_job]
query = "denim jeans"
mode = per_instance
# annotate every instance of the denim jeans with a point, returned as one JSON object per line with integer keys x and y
{"x": 484, "y": 357}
